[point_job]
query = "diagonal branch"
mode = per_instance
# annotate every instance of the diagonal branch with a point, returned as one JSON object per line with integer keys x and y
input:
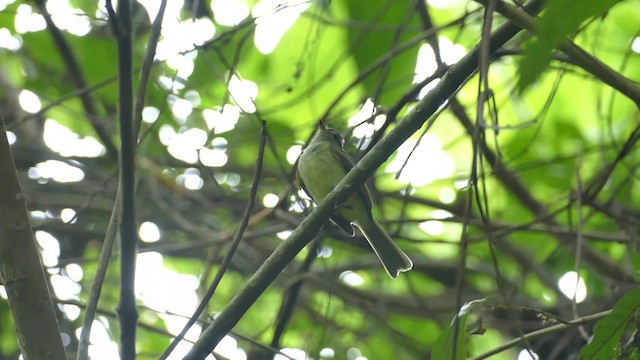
{"x": 21, "y": 271}
{"x": 513, "y": 183}
{"x": 232, "y": 250}
{"x": 303, "y": 234}
{"x": 579, "y": 56}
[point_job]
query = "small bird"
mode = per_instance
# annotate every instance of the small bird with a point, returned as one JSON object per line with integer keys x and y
{"x": 321, "y": 166}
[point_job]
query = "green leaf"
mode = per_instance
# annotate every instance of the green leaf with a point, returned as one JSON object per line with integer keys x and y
{"x": 370, "y": 45}
{"x": 562, "y": 18}
{"x": 608, "y": 331}
{"x": 444, "y": 347}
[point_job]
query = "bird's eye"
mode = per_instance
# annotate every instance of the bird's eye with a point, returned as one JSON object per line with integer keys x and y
{"x": 337, "y": 137}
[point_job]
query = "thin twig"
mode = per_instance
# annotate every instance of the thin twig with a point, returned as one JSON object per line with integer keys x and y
{"x": 310, "y": 226}
{"x": 121, "y": 25}
{"x": 147, "y": 63}
{"x": 579, "y": 244}
{"x": 234, "y": 245}
{"x": 534, "y": 334}
{"x": 290, "y": 298}
{"x": 107, "y": 247}
{"x": 520, "y": 191}
{"x": 77, "y": 77}
{"x": 579, "y": 56}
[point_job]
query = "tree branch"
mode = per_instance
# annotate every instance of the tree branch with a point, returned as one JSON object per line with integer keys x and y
{"x": 21, "y": 270}
{"x": 303, "y": 234}
{"x": 121, "y": 25}
{"x": 77, "y": 77}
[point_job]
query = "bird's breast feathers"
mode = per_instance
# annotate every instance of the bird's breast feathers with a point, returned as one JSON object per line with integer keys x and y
{"x": 320, "y": 171}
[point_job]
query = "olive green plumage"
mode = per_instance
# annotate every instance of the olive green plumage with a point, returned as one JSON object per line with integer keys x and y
{"x": 320, "y": 168}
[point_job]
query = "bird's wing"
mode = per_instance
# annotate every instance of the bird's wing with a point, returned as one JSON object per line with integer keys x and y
{"x": 347, "y": 164}
{"x": 342, "y": 222}
{"x": 301, "y": 184}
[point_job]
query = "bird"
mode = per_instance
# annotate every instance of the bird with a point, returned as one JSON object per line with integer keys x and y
{"x": 321, "y": 166}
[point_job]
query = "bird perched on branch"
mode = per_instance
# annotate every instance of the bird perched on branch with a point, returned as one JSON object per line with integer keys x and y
{"x": 321, "y": 166}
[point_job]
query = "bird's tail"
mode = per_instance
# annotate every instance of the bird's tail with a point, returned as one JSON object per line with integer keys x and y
{"x": 392, "y": 257}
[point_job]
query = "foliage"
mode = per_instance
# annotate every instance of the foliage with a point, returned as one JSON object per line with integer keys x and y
{"x": 452, "y": 343}
{"x": 608, "y": 332}
{"x": 496, "y": 197}
{"x": 560, "y": 20}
